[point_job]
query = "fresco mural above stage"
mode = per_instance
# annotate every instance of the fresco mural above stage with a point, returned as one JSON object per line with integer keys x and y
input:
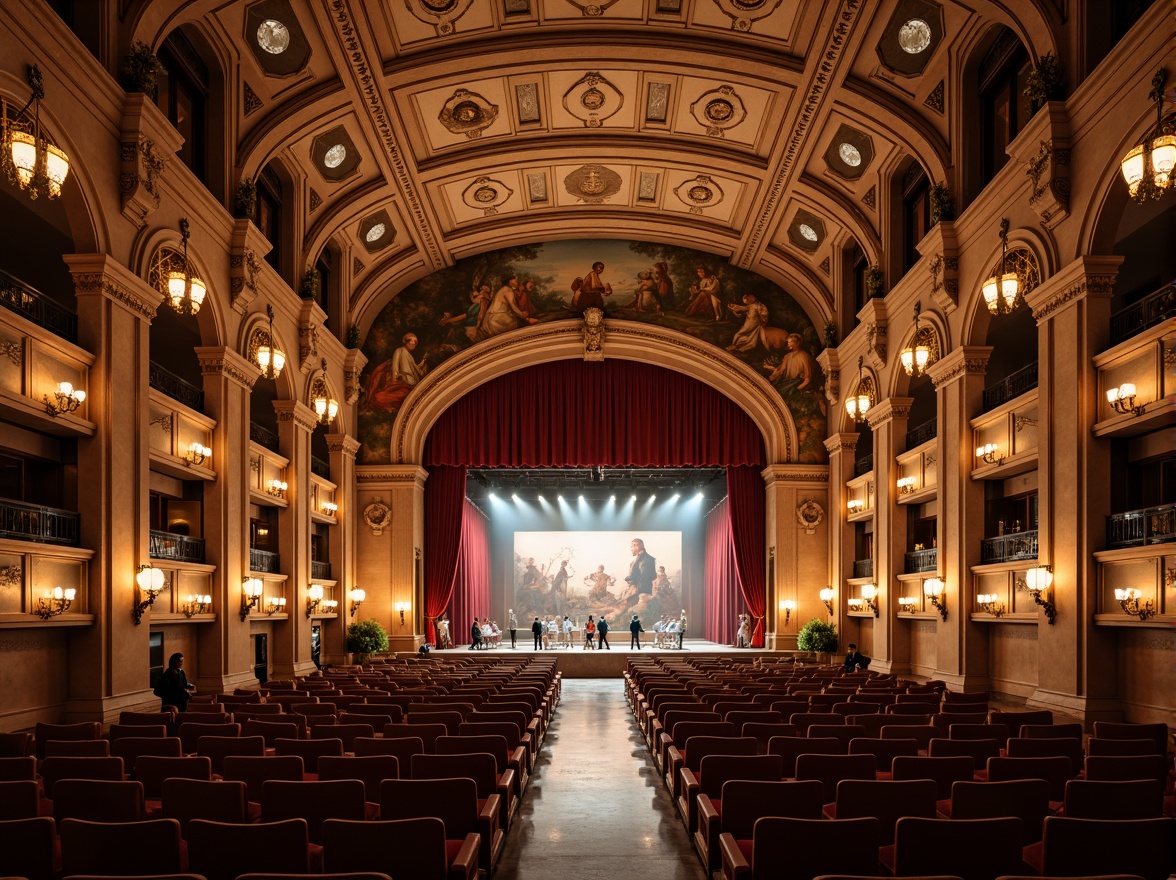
{"x": 677, "y": 288}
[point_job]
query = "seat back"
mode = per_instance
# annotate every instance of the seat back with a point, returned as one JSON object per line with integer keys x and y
{"x": 217, "y": 748}
{"x": 684, "y": 730}
{"x": 1027, "y": 799}
{"x": 17, "y": 769}
{"x": 224, "y": 850}
{"x": 698, "y": 748}
{"x": 453, "y": 801}
{"x": 135, "y": 731}
{"x": 131, "y": 748}
{"x": 763, "y": 732}
{"x": 1157, "y": 732}
{"x": 1027, "y": 747}
{"x": 746, "y": 800}
{"x": 972, "y": 849}
{"x": 922, "y": 734}
{"x": 145, "y": 718}
{"x": 805, "y": 720}
{"x": 77, "y": 748}
{"x": 944, "y": 772}
{"x": 190, "y": 733}
{"x": 309, "y": 750}
{"x": 27, "y": 848}
{"x": 120, "y": 848}
{"x": 402, "y": 748}
{"x": 269, "y": 731}
{"x": 1120, "y": 747}
{"x": 1101, "y": 799}
{"x": 1085, "y": 847}
{"x": 409, "y": 847}
{"x": 313, "y": 802}
{"x": 53, "y": 769}
{"x": 979, "y": 750}
{"x": 1123, "y": 767}
{"x": 1050, "y": 731}
{"x": 831, "y": 769}
{"x": 345, "y": 732}
{"x": 429, "y": 733}
{"x": 1014, "y": 720}
{"x": 255, "y": 770}
{"x": 44, "y": 733}
{"x": 19, "y": 799}
{"x": 451, "y": 720}
{"x": 98, "y": 800}
{"x": 843, "y": 733}
{"x": 187, "y": 799}
{"x": 467, "y": 745}
{"x": 984, "y": 730}
{"x": 371, "y": 770}
{"x": 152, "y": 770}
{"x": 887, "y": 801}
{"x": 16, "y": 744}
{"x": 800, "y": 849}
{"x": 1054, "y": 770}
{"x": 791, "y": 747}
{"x": 479, "y": 767}
{"x": 718, "y": 769}
{"x": 969, "y": 697}
{"x": 884, "y": 752}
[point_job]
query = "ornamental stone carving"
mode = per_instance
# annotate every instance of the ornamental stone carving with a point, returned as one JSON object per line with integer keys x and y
{"x": 593, "y": 99}
{"x": 701, "y": 192}
{"x": 378, "y": 516}
{"x": 146, "y": 141}
{"x": 441, "y": 14}
{"x": 467, "y": 113}
{"x": 487, "y": 195}
{"x": 593, "y": 333}
{"x": 718, "y": 110}
{"x": 809, "y": 515}
{"x": 745, "y": 13}
{"x": 593, "y": 184}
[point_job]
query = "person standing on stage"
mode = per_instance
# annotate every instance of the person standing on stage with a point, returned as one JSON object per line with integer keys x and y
{"x": 635, "y": 631}
{"x": 681, "y": 628}
{"x": 475, "y": 635}
{"x": 513, "y": 624}
{"x": 602, "y": 633}
{"x": 537, "y": 632}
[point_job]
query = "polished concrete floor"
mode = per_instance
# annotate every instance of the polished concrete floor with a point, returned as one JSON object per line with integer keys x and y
{"x": 595, "y": 806}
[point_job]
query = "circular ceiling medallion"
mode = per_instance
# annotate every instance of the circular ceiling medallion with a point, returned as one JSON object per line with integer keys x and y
{"x": 850, "y": 154}
{"x": 273, "y": 36}
{"x": 334, "y": 156}
{"x": 808, "y": 232}
{"x": 592, "y": 99}
{"x": 375, "y": 233}
{"x": 439, "y": 6}
{"x": 719, "y": 110}
{"x": 914, "y": 36}
{"x": 485, "y": 194}
{"x": 700, "y": 194}
{"x": 467, "y": 113}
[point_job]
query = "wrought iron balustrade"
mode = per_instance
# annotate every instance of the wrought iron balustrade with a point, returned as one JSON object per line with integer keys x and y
{"x": 181, "y": 548}
{"x": 920, "y": 434}
{"x": 1014, "y": 385}
{"x": 30, "y": 303}
{"x": 320, "y": 468}
{"x": 263, "y": 560}
{"x": 921, "y": 560}
{"x": 263, "y": 436}
{"x": 320, "y": 570}
{"x": 1151, "y": 525}
{"x": 32, "y": 522}
{"x": 863, "y": 568}
{"x": 1008, "y": 548}
{"x": 167, "y": 382}
{"x": 1139, "y": 316}
{"x": 863, "y": 465}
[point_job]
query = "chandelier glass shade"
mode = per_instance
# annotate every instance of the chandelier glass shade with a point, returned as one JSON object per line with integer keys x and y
{"x": 30, "y": 161}
{"x": 185, "y": 291}
{"x": 859, "y": 402}
{"x": 1148, "y": 166}
{"x": 1001, "y": 291}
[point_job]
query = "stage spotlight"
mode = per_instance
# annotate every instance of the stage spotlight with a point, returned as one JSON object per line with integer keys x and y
{"x": 675, "y": 496}
{"x": 581, "y": 499}
{"x": 493, "y": 497}
{"x": 652, "y": 498}
{"x": 514, "y": 497}
{"x": 541, "y": 498}
{"x": 560, "y": 499}
{"x": 633, "y": 497}
{"x": 698, "y": 497}
{"x": 612, "y": 497}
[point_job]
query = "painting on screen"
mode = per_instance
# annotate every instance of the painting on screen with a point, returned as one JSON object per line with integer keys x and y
{"x": 617, "y": 574}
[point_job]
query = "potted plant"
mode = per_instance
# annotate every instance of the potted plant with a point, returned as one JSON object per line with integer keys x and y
{"x": 141, "y": 69}
{"x": 873, "y": 278}
{"x": 353, "y": 336}
{"x": 1044, "y": 83}
{"x": 830, "y": 333}
{"x": 818, "y": 637}
{"x": 310, "y": 285}
{"x": 366, "y": 637}
{"x": 245, "y": 200}
{"x": 942, "y": 204}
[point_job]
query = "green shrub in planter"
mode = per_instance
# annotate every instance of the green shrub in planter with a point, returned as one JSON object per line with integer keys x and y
{"x": 817, "y": 636}
{"x": 365, "y": 637}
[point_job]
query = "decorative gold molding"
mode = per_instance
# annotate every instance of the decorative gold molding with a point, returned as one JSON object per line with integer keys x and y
{"x": 888, "y": 410}
{"x": 342, "y": 443}
{"x": 100, "y": 274}
{"x": 842, "y": 442}
{"x": 593, "y": 333}
{"x": 1090, "y": 285}
{"x": 297, "y": 412}
{"x": 220, "y": 361}
{"x": 965, "y": 360}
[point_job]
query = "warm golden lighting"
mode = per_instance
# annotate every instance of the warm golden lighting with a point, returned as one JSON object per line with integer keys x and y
{"x": 907, "y": 603}
{"x": 185, "y": 291}
{"x": 402, "y": 607}
{"x": 856, "y": 505}
{"x": 1128, "y": 600}
{"x": 859, "y": 402}
{"x": 1001, "y": 290}
{"x": 30, "y": 161}
{"x": 916, "y": 357}
{"x": 270, "y": 358}
{"x": 150, "y": 582}
{"x": 277, "y": 488}
{"x": 989, "y": 602}
{"x": 276, "y": 604}
{"x": 1122, "y": 399}
{"x": 357, "y": 597}
{"x": 1148, "y": 167}
{"x": 933, "y": 591}
{"x": 787, "y": 606}
{"x": 330, "y": 508}
{"x": 195, "y": 603}
{"x": 314, "y": 598}
{"x": 907, "y": 485}
{"x": 827, "y": 597}
{"x": 989, "y": 453}
{"x": 67, "y": 399}
{"x": 870, "y": 597}
{"x": 197, "y": 453}
{"x": 55, "y": 602}
{"x": 251, "y": 592}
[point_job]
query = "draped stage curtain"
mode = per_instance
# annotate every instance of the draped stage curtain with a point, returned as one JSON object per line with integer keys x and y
{"x": 444, "y": 509}
{"x": 721, "y": 579}
{"x": 471, "y": 590}
{"x": 745, "y": 506}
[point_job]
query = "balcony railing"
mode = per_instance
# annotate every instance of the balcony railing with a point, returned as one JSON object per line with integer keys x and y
{"x": 38, "y": 308}
{"x": 263, "y": 560}
{"x": 173, "y": 386}
{"x": 1149, "y": 311}
{"x": 320, "y": 468}
{"x": 1008, "y": 548}
{"x": 320, "y": 570}
{"x": 921, "y": 560}
{"x": 181, "y": 548}
{"x": 263, "y": 436}
{"x": 863, "y": 568}
{"x": 30, "y": 522}
{"x": 1016, "y": 384}
{"x": 920, "y": 434}
{"x": 1152, "y": 525}
{"x": 863, "y": 465}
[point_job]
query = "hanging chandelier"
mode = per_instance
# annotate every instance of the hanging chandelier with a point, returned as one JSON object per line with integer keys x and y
{"x": 325, "y": 407}
{"x": 1003, "y": 288}
{"x": 1148, "y": 167}
{"x": 916, "y": 357}
{"x": 30, "y": 161}
{"x": 185, "y": 290}
{"x": 270, "y": 358}
{"x": 859, "y": 402}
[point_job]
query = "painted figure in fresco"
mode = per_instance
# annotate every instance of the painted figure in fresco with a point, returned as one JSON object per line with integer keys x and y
{"x": 526, "y": 297}
{"x": 796, "y": 364}
{"x": 665, "y": 285}
{"x": 505, "y": 313}
{"x": 755, "y": 318}
{"x": 645, "y": 298}
{"x": 593, "y": 290}
{"x": 559, "y": 586}
{"x": 391, "y": 381}
{"x": 598, "y": 583}
{"x": 705, "y": 296}
{"x": 643, "y": 568}
{"x": 471, "y": 319}
{"x": 406, "y": 368}
{"x": 662, "y": 581}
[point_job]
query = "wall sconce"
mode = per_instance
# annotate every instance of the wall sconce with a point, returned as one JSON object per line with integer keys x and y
{"x": 988, "y": 602}
{"x": 402, "y": 607}
{"x": 195, "y": 604}
{"x": 329, "y": 606}
{"x": 314, "y": 598}
{"x": 856, "y": 505}
{"x": 1122, "y": 400}
{"x": 270, "y": 358}
{"x": 1001, "y": 290}
{"x": 29, "y": 160}
{"x": 906, "y": 486}
{"x": 185, "y": 291}
{"x": 1148, "y": 167}
{"x": 827, "y": 598}
{"x": 251, "y": 590}
{"x": 276, "y": 604}
{"x": 330, "y": 508}
{"x": 989, "y": 453}
{"x": 1129, "y": 601}
{"x": 66, "y": 400}
{"x": 907, "y": 604}
{"x": 787, "y": 606}
{"x": 357, "y": 597}
{"x": 1037, "y": 582}
{"x": 277, "y": 488}
{"x": 916, "y": 357}
{"x": 197, "y": 454}
{"x": 323, "y": 404}
{"x": 859, "y": 402}
{"x": 870, "y": 595}
{"x": 933, "y": 590}
{"x": 55, "y": 602}
{"x": 151, "y": 582}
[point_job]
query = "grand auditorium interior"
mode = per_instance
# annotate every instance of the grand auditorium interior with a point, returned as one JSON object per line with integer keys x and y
{"x": 360, "y": 358}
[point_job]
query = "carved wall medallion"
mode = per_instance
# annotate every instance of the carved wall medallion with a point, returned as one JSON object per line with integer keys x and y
{"x": 441, "y": 14}
{"x": 593, "y": 99}
{"x": 745, "y": 13}
{"x": 592, "y": 10}
{"x": 701, "y": 192}
{"x": 718, "y": 110}
{"x": 468, "y": 113}
{"x": 809, "y": 515}
{"x": 378, "y": 516}
{"x": 593, "y": 183}
{"x": 593, "y": 333}
{"x": 486, "y": 194}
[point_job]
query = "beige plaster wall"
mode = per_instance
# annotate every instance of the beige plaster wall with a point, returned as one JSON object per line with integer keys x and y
{"x": 1013, "y": 657}
{"x": 1147, "y": 674}
{"x": 923, "y": 647}
{"x": 33, "y": 677}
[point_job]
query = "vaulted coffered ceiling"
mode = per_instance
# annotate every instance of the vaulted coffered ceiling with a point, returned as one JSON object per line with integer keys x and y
{"x": 771, "y": 132}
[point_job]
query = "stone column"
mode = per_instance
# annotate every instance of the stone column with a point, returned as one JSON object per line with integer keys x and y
{"x": 842, "y": 449}
{"x": 343, "y": 557}
{"x": 225, "y": 653}
{"x": 961, "y": 647}
{"x": 799, "y": 523}
{"x": 1072, "y": 310}
{"x": 290, "y": 651}
{"x": 888, "y": 419}
{"x": 115, "y": 310}
{"x": 390, "y": 564}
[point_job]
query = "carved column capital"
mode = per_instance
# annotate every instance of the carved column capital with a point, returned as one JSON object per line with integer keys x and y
{"x": 1090, "y": 276}
{"x": 102, "y": 275}
{"x": 297, "y": 412}
{"x": 890, "y": 409}
{"x": 962, "y": 361}
{"x": 344, "y": 444}
{"x": 217, "y": 360}
{"x": 353, "y": 363}
{"x": 831, "y": 366}
{"x": 844, "y": 442}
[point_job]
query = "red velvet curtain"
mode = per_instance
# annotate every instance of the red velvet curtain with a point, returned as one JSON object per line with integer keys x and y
{"x": 721, "y": 585}
{"x": 745, "y": 506}
{"x": 471, "y": 591}
{"x": 578, "y": 414}
{"x": 444, "y": 512}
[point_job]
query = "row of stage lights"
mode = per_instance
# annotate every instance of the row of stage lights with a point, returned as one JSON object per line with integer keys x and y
{"x": 612, "y": 498}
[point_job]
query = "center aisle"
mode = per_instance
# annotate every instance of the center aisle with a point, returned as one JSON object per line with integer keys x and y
{"x": 595, "y": 806}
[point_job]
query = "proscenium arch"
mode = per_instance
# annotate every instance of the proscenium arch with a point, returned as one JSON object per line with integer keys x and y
{"x": 562, "y": 340}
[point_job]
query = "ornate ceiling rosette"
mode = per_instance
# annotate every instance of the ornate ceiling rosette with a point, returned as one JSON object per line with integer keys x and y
{"x": 593, "y": 99}
{"x": 745, "y": 13}
{"x": 468, "y": 113}
{"x": 487, "y": 195}
{"x": 699, "y": 193}
{"x": 441, "y": 14}
{"x": 593, "y": 183}
{"x": 591, "y": 9}
{"x": 718, "y": 110}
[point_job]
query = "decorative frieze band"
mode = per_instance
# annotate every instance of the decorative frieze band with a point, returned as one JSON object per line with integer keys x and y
{"x": 297, "y": 412}
{"x": 344, "y": 444}
{"x": 102, "y": 275}
{"x": 219, "y": 361}
{"x": 965, "y": 360}
{"x": 887, "y": 410}
{"x": 842, "y": 443}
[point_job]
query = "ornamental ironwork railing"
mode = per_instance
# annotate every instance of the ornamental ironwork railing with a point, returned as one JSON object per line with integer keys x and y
{"x": 921, "y": 560}
{"x": 1151, "y": 525}
{"x": 181, "y": 548}
{"x": 30, "y": 303}
{"x": 1139, "y": 316}
{"x": 863, "y": 465}
{"x": 863, "y": 568}
{"x": 263, "y": 436}
{"x": 1008, "y": 548}
{"x": 32, "y": 522}
{"x": 167, "y": 382}
{"x": 320, "y": 468}
{"x": 263, "y": 560}
{"x": 320, "y": 570}
{"x": 920, "y": 434}
{"x": 1014, "y": 385}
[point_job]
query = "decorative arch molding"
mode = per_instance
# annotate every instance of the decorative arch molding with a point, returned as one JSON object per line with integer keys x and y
{"x": 975, "y": 329}
{"x": 563, "y": 340}
{"x": 934, "y": 330}
{"x": 209, "y": 319}
{"x": 256, "y": 326}
{"x": 870, "y": 380}
{"x": 316, "y": 384}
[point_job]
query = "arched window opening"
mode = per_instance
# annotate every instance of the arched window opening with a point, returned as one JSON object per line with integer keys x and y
{"x": 269, "y": 214}
{"x": 916, "y": 213}
{"x": 182, "y": 93}
{"x": 1004, "y": 108}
